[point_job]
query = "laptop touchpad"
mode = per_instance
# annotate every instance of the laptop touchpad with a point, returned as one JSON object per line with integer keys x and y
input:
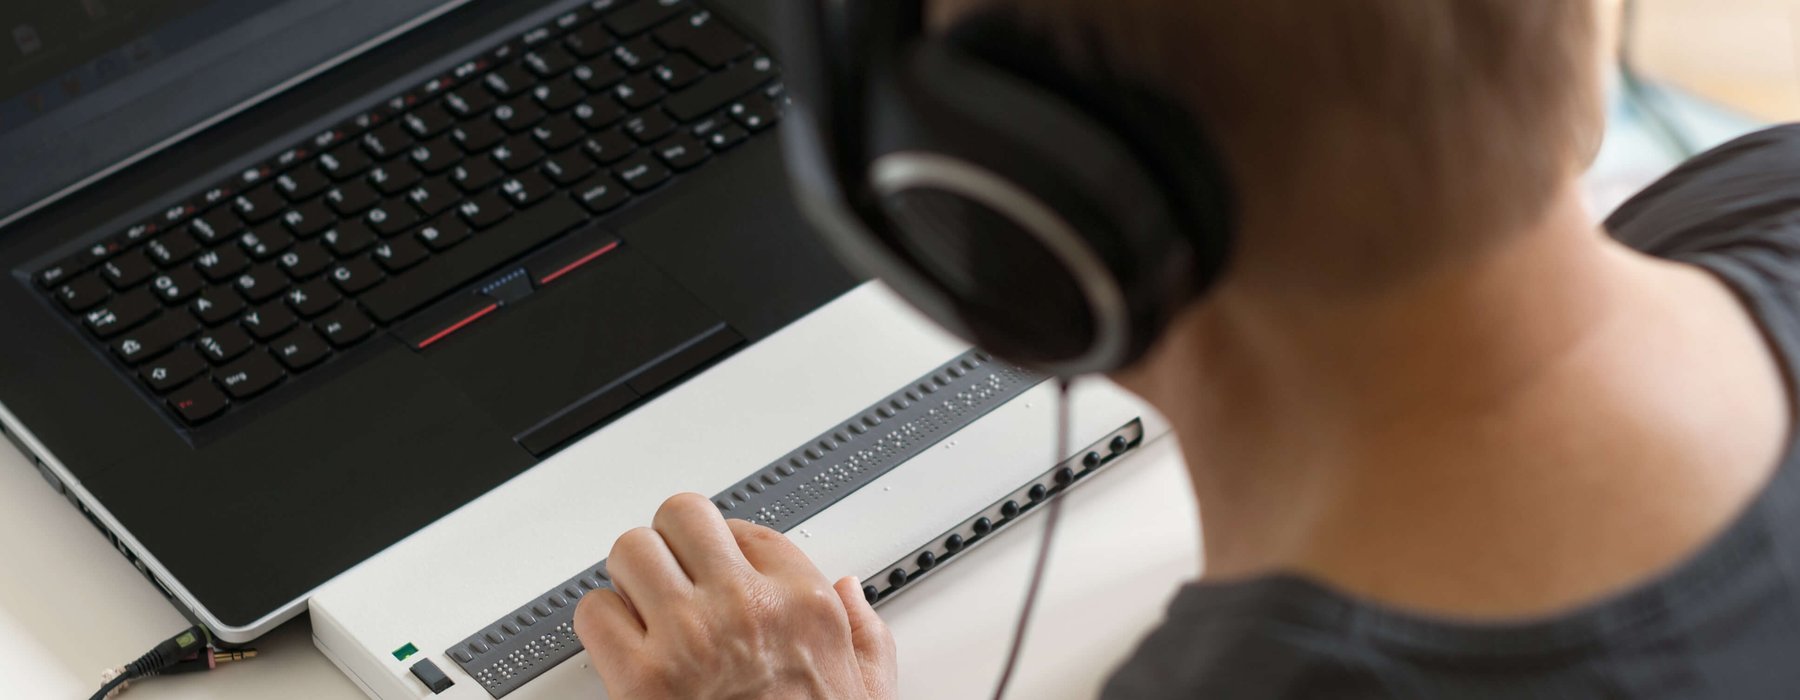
{"x": 570, "y": 355}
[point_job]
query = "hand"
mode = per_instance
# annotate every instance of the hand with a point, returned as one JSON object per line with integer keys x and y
{"x": 707, "y": 608}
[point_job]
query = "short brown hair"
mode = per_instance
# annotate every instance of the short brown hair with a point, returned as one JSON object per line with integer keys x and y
{"x": 1437, "y": 116}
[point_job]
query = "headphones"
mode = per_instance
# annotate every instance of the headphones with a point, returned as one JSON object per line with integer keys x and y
{"x": 1053, "y": 215}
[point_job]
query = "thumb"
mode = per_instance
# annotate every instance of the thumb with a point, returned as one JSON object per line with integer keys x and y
{"x": 875, "y": 651}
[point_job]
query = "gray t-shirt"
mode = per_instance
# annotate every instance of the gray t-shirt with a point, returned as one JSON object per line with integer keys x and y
{"x": 1724, "y": 624}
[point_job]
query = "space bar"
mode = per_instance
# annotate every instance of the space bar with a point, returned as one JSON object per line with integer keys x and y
{"x": 443, "y": 273}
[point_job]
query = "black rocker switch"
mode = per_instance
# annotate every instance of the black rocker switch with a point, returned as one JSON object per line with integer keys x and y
{"x": 433, "y": 678}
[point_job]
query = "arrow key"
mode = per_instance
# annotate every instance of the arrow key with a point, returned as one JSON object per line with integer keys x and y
{"x": 172, "y": 370}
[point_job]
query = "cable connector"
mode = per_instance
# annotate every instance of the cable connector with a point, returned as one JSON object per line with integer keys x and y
{"x": 190, "y": 643}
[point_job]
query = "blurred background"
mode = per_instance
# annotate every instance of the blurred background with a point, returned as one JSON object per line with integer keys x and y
{"x": 1691, "y": 74}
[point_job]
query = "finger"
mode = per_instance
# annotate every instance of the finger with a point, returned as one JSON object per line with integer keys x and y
{"x": 697, "y": 535}
{"x": 604, "y": 621}
{"x": 772, "y": 553}
{"x": 875, "y": 650}
{"x": 647, "y": 575}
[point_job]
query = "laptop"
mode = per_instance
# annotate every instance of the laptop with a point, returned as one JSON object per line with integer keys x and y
{"x": 288, "y": 280}
{"x": 401, "y": 312}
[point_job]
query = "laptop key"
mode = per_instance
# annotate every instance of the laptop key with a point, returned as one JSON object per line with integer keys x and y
{"x": 713, "y": 93}
{"x": 642, "y": 172}
{"x": 755, "y": 112}
{"x": 348, "y": 238}
{"x": 313, "y": 298}
{"x": 267, "y": 321}
{"x": 568, "y": 167}
{"x": 222, "y": 263}
{"x": 435, "y": 156}
{"x": 548, "y": 62}
{"x": 154, "y": 338}
{"x": 82, "y": 293}
{"x": 704, "y": 37}
{"x": 449, "y": 270}
{"x": 518, "y": 115}
{"x": 443, "y": 233}
{"x": 344, "y": 162}
{"x": 198, "y": 403}
{"x": 478, "y": 136}
{"x": 172, "y": 369}
{"x": 682, "y": 152}
{"x": 217, "y": 225}
{"x": 352, "y": 198}
{"x": 428, "y": 121}
{"x": 559, "y": 94}
{"x": 250, "y": 376}
{"x": 128, "y": 270}
{"x": 393, "y": 178}
{"x": 355, "y": 276}
{"x": 172, "y": 248}
{"x": 558, "y": 132}
{"x": 121, "y": 313}
{"x": 391, "y": 218}
{"x": 217, "y": 305}
{"x": 468, "y": 102}
{"x": 601, "y": 194}
{"x": 309, "y": 219}
{"x": 259, "y": 204}
{"x": 266, "y": 241}
{"x": 301, "y": 184}
{"x": 639, "y": 54}
{"x": 305, "y": 260}
{"x": 608, "y": 147}
{"x": 679, "y": 71}
{"x": 387, "y": 141}
{"x": 518, "y": 153}
{"x": 508, "y": 80}
{"x": 61, "y": 270}
{"x": 640, "y": 16}
{"x": 223, "y": 344}
{"x": 598, "y": 113}
{"x": 649, "y": 127}
{"x": 475, "y": 174}
{"x": 300, "y": 349}
{"x": 639, "y": 91}
{"x": 399, "y": 254}
{"x": 526, "y": 189}
{"x": 433, "y": 197}
{"x": 344, "y": 327}
{"x": 589, "y": 41}
{"x": 598, "y": 75}
{"x": 261, "y": 283}
{"x": 177, "y": 285}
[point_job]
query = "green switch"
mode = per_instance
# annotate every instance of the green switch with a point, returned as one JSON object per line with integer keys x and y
{"x": 405, "y": 651}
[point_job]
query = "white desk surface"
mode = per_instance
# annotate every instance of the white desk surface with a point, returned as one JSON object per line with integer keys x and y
{"x": 71, "y": 606}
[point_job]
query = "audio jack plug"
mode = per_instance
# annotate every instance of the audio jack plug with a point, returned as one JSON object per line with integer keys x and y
{"x": 186, "y": 652}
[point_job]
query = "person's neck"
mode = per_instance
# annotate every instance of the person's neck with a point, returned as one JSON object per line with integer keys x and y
{"x": 1321, "y": 433}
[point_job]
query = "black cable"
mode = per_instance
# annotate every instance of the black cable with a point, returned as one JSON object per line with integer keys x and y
{"x": 171, "y": 651}
{"x": 1641, "y": 94}
{"x": 1051, "y": 517}
{"x": 110, "y": 686}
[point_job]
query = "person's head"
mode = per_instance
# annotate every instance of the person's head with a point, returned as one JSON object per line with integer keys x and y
{"x": 1367, "y": 138}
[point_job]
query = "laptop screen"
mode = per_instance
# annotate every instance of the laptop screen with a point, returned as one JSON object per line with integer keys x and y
{"x": 87, "y": 84}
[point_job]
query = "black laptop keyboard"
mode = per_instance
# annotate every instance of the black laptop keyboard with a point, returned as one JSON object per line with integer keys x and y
{"x": 230, "y": 292}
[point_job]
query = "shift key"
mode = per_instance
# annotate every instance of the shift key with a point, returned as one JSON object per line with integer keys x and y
{"x": 447, "y": 272}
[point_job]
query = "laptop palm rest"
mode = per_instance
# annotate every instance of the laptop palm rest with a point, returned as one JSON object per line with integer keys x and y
{"x": 577, "y": 352}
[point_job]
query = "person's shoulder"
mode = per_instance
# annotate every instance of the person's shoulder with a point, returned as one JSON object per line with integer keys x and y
{"x": 1747, "y": 190}
{"x": 1251, "y": 642}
